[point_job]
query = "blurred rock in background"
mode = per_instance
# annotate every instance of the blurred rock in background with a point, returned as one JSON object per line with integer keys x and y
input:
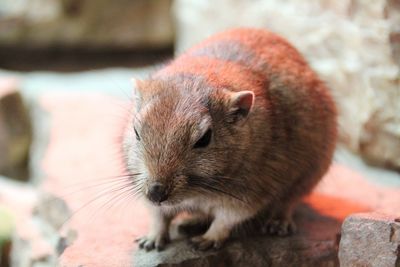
{"x": 15, "y": 131}
{"x": 85, "y": 23}
{"x": 48, "y": 34}
{"x": 39, "y": 241}
{"x": 353, "y": 44}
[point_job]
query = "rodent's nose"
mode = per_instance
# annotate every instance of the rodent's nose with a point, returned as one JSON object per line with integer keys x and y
{"x": 157, "y": 193}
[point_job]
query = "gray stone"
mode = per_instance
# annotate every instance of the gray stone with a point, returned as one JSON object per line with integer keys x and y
{"x": 16, "y": 197}
{"x": 353, "y": 44}
{"x": 15, "y": 131}
{"x": 52, "y": 210}
{"x": 314, "y": 245}
{"x": 40, "y": 120}
{"x": 42, "y": 238}
{"x": 370, "y": 239}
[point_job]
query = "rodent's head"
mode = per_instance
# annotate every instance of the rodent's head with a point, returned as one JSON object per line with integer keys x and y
{"x": 182, "y": 137}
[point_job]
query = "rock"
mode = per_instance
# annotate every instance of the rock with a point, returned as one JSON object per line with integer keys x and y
{"x": 82, "y": 153}
{"x": 306, "y": 248}
{"x": 346, "y": 183}
{"x": 381, "y": 131}
{"x": 40, "y": 125}
{"x": 353, "y": 45}
{"x": 40, "y": 239}
{"x": 37, "y": 218}
{"x": 370, "y": 239}
{"x": 15, "y": 131}
{"x": 17, "y": 198}
{"x": 90, "y": 24}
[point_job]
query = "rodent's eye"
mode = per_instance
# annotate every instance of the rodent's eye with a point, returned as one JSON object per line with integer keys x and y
{"x": 204, "y": 140}
{"x": 137, "y": 135}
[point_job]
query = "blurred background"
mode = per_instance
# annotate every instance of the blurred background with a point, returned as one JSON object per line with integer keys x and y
{"x": 61, "y": 60}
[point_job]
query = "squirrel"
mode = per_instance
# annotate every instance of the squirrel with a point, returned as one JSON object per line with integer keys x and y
{"x": 237, "y": 126}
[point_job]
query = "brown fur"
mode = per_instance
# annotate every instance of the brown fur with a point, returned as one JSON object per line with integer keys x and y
{"x": 261, "y": 161}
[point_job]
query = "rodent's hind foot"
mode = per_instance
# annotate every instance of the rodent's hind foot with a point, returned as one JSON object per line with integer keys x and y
{"x": 279, "y": 227}
{"x": 150, "y": 243}
{"x": 202, "y": 243}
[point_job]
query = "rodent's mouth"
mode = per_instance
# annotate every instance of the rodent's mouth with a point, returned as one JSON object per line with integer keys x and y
{"x": 158, "y": 202}
{"x": 166, "y": 203}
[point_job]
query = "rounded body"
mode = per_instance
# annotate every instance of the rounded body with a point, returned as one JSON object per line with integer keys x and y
{"x": 273, "y": 150}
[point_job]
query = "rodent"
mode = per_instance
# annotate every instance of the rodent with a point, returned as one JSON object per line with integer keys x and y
{"x": 236, "y": 126}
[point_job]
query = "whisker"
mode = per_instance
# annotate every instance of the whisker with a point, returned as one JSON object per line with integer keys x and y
{"x": 110, "y": 178}
{"x": 126, "y": 200}
{"x": 98, "y": 196}
{"x": 123, "y": 196}
{"x": 108, "y": 183}
{"x": 111, "y": 202}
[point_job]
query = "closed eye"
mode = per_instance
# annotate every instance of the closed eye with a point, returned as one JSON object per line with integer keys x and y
{"x": 204, "y": 141}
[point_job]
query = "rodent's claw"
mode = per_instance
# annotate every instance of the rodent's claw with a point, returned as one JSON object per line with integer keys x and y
{"x": 149, "y": 243}
{"x": 201, "y": 243}
{"x": 280, "y": 227}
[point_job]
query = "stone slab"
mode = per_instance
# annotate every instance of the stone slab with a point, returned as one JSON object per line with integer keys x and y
{"x": 370, "y": 239}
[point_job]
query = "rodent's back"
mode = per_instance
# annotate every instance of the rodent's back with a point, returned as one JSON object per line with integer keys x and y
{"x": 294, "y": 118}
{"x": 238, "y": 53}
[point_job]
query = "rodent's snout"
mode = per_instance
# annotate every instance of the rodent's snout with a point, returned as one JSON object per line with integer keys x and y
{"x": 157, "y": 193}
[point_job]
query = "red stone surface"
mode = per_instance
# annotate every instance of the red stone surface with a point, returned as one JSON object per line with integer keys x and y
{"x": 83, "y": 150}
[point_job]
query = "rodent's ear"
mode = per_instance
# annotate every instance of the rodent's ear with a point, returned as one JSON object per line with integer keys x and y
{"x": 137, "y": 93}
{"x": 241, "y": 104}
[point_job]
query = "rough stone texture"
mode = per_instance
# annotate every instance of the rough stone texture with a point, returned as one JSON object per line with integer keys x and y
{"x": 90, "y": 23}
{"x": 39, "y": 241}
{"x": 353, "y": 45}
{"x": 15, "y": 131}
{"x": 370, "y": 239}
{"x": 18, "y": 198}
{"x": 81, "y": 161}
{"x": 37, "y": 217}
{"x": 309, "y": 247}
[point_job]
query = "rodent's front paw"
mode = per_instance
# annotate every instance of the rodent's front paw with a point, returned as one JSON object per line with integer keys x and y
{"x": 149, "y": 243}
{"x": 203, "y": 243}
